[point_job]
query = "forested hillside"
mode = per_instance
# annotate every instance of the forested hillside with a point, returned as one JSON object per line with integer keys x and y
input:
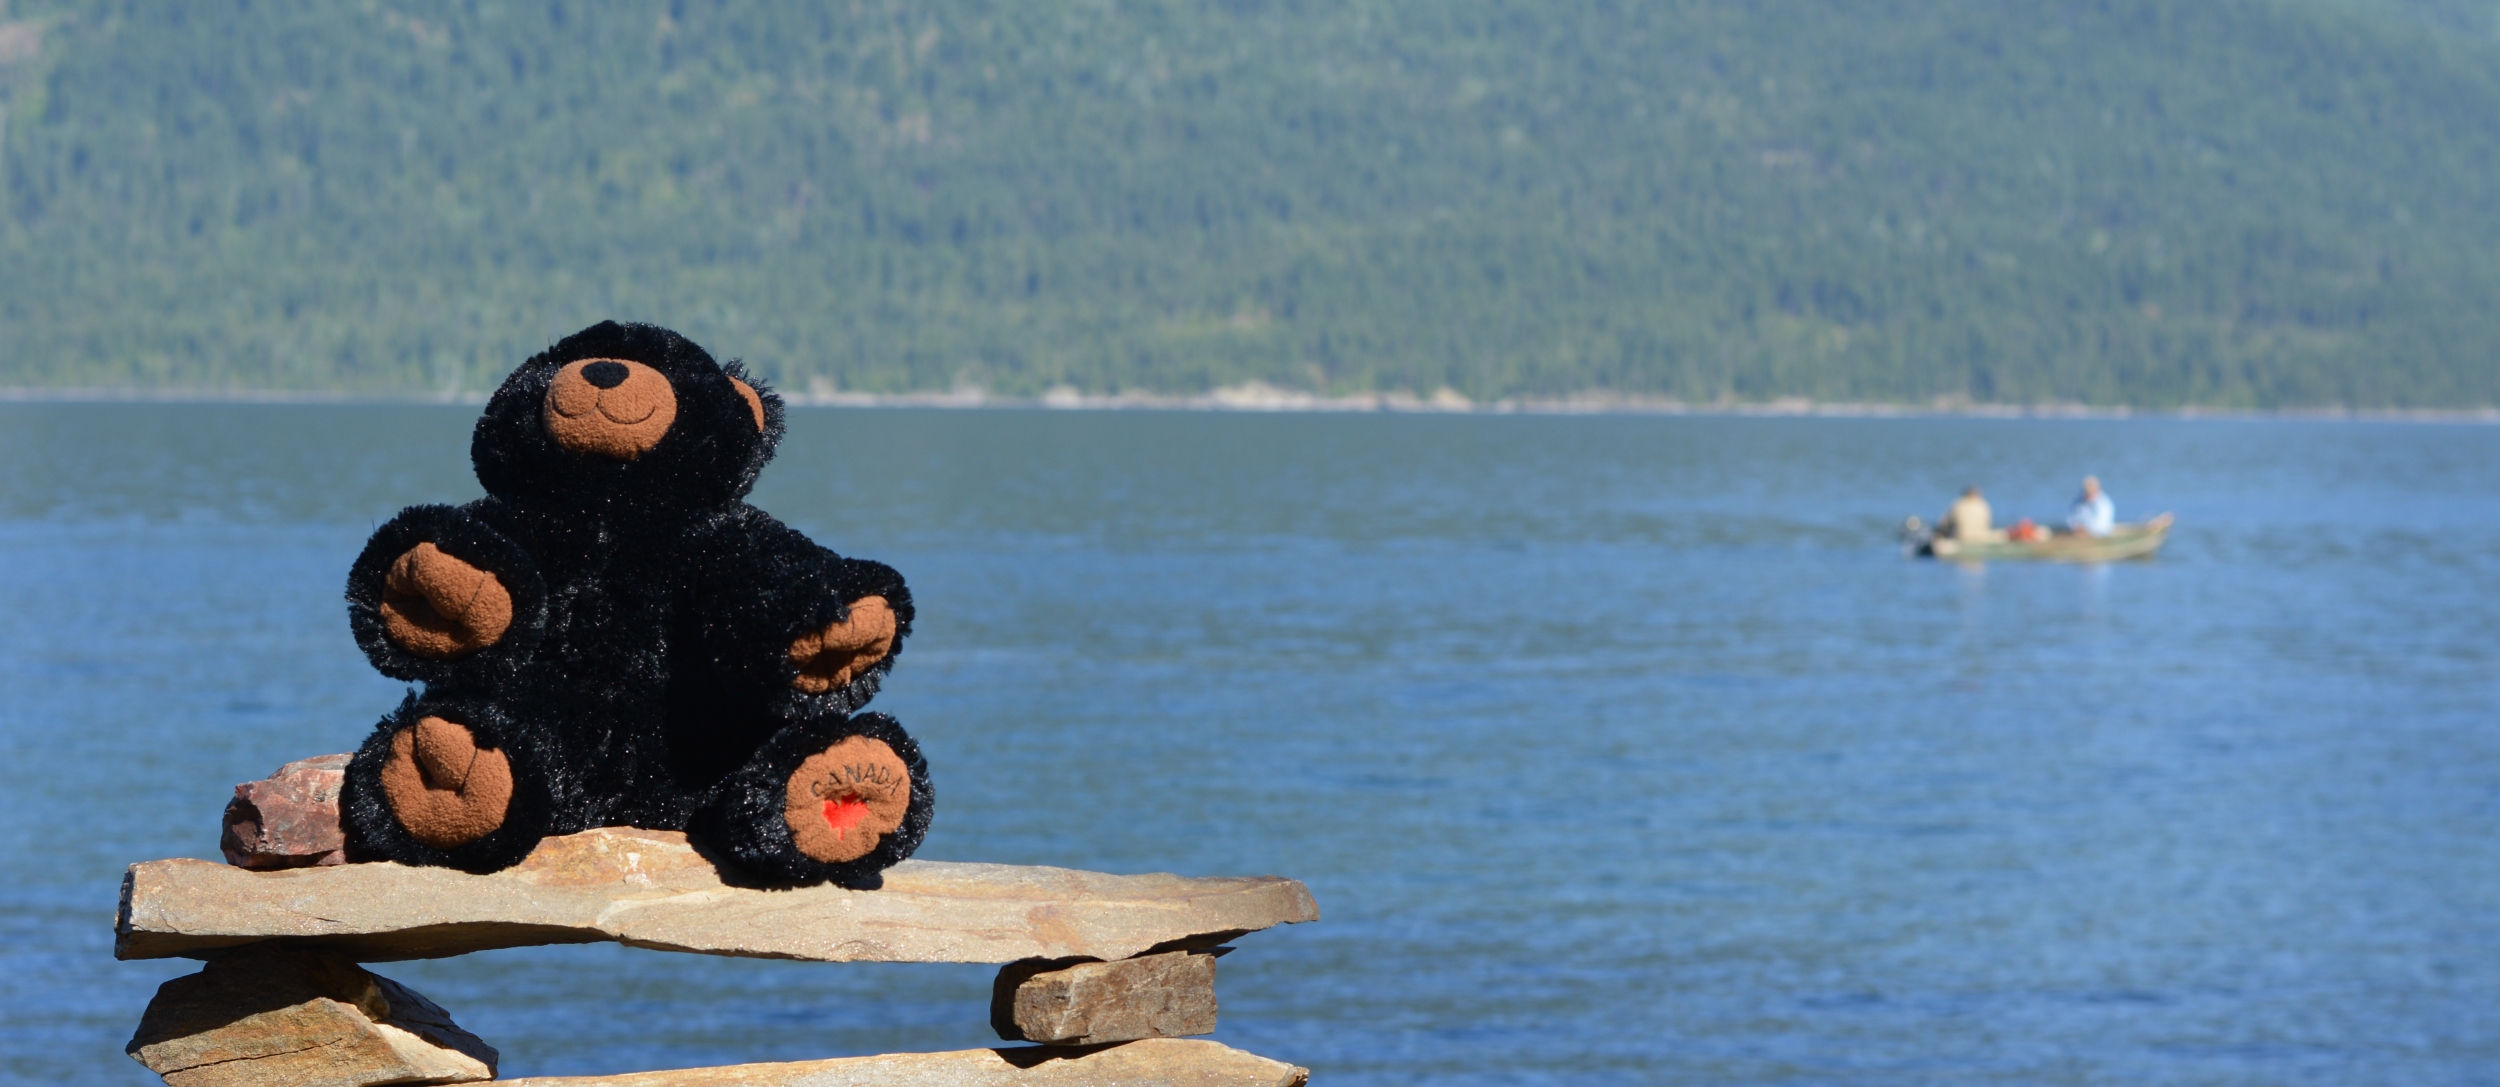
{"x": 2153, "y": 202}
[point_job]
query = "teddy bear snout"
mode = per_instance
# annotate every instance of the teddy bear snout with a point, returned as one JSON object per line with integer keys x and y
{"x": 613, "y": 408}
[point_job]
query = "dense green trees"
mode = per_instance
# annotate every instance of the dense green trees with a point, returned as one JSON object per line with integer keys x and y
{"x": 2155, "y": 202}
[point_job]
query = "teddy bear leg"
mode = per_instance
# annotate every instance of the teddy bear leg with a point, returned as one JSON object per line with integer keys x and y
{"x": 448, "y": 783}
{"x": 837, "y": 799}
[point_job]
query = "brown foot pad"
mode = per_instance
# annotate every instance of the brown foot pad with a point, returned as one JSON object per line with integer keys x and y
{"x": 847, "y": 798}
{"x": 836, "y": 655}
{"x": 436, "y": 606}
{"x": 446, "y": 790}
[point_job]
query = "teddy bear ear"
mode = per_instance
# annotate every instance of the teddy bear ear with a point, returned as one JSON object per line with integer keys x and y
{"x": 755, "y": 401}
{"x": 763, "y": 405}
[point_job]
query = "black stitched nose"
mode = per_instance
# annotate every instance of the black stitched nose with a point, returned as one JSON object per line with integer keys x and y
{"x": 606, "y": 375}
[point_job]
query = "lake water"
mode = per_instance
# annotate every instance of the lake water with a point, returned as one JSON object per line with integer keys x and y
{"x": 1615, "y": 750}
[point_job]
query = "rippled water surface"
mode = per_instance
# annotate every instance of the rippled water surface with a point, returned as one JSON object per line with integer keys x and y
{"x": 1616, "y": 750}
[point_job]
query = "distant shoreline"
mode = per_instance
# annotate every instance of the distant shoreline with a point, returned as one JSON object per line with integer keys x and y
{"x": 1269, "y": 399}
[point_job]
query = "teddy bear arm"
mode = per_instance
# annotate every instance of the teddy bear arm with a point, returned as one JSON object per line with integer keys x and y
{"x": 781, "y": 614}
{"x": 861, "y": 641}
{"x": 439, "y": 592}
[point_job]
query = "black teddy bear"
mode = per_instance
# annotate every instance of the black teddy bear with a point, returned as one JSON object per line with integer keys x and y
{"x": 613, "y": 637}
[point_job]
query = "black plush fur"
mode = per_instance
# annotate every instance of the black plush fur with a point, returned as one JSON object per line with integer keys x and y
{"x": 645, "y": 679}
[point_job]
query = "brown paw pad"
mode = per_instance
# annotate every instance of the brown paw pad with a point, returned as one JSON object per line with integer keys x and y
{"x": 446, "y": 790}
{"x": 847, "y": 798}
{"x": 436, "y": 606}
{"x": 831, "y": 658}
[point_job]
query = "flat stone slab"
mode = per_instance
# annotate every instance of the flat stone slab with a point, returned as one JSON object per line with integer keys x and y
{"x": 647, "y": 888}
{"x": 1154, "y": 1061}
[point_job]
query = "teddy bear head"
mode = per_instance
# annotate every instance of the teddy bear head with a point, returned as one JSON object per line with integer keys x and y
{"x": 623, "y": 417}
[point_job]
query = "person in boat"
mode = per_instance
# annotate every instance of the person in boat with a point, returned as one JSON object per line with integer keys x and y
{"x": 2094, "y": 514}
{"x": 1969, "y": 520}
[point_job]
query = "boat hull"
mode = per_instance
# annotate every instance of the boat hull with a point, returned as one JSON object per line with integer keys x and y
{"x": 2126, "y": 542}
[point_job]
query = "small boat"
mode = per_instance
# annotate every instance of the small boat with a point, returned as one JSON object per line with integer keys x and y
{"x": 2126, "y": 541}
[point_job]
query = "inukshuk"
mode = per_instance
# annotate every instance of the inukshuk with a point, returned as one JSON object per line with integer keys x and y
{"x": 1107, "y": 974}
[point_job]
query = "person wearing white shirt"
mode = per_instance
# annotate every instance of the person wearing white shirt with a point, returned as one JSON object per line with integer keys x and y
{"x": 2094, "y": 514}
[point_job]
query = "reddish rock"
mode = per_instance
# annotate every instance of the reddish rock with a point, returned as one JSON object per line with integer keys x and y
{"x": 289, "y": 819}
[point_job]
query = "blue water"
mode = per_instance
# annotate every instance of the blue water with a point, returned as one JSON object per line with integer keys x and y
{"x": 1616, "y": 750}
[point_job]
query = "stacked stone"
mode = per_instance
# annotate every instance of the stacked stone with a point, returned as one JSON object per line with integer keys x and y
{"x": 1108, "y": 973}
